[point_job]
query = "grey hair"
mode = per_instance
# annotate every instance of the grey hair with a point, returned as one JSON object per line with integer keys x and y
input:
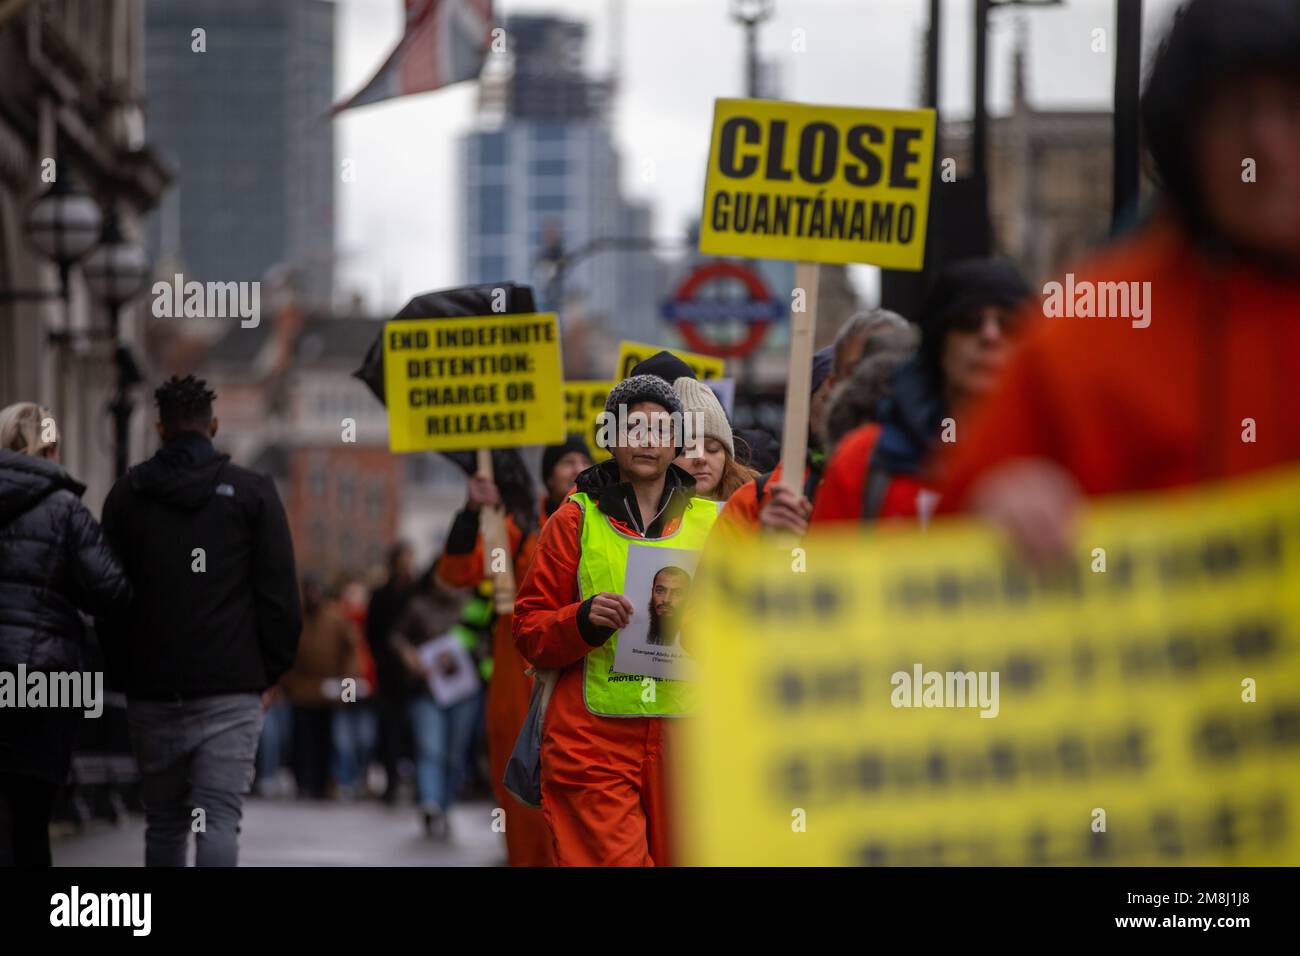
{"x": 869, "y": 322}
{"x": 854, "y": 400}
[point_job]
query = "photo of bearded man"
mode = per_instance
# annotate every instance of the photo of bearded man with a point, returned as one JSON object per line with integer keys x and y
{"x": 668, "y": 594}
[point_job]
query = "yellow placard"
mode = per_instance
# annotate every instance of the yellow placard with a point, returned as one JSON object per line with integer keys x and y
{"x": 1146, "y": 709}
{"x": 491, "y": 381}
{"x": 583, "y": 401}
{"x": 818, "y": 183}
{"x": 630, "y": 353}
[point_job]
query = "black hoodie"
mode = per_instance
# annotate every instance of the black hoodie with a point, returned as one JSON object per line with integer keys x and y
{"x": 207, "y": 548}
{"x": 54, "y": 562}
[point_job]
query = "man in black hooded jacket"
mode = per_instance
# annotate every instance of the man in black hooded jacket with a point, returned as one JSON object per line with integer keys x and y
{"x": 214, "y": 623}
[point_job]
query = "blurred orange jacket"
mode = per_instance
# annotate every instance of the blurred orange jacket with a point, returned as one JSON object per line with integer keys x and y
{"x": 1210, "y": 389}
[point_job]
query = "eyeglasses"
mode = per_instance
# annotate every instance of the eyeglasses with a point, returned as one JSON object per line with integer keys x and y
{"x": 1007, "y": 319}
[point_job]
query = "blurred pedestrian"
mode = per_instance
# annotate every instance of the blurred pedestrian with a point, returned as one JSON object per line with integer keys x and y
{"x": 442, "y": 732}
{"x": 54, "y": 564}
{"x": 355, "y": 727}
{"x": 881, "y": 470}
{"x": 603, "y": 781}
{"x": 327, "y": 656}
{"x": 213, "y": 624}
{"x": 710, "y": 456}
{"x": 528, "y": 842}
{"x": 1202, "y": 387}
{"x": 856, "y": 400}
{"x": 387, "y": 602}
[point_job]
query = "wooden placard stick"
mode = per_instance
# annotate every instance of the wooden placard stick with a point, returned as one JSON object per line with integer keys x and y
{"x": 798, "y": 382}
{"x": 492, "y": 524}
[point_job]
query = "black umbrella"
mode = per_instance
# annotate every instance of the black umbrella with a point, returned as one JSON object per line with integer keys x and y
{"x": 509, "y": 471}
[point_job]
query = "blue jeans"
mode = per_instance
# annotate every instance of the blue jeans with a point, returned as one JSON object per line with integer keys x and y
{"x": 194, "y": 755}
{"x": 442, "y": 741}
{"x": 355, "y": 729}
{"x": 277, "y": 730}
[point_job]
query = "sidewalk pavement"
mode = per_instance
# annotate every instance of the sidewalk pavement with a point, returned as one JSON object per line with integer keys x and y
{"x": 314, "y": 833}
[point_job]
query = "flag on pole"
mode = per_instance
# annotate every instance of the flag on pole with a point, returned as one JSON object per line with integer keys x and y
{"x": 445, "y": 42}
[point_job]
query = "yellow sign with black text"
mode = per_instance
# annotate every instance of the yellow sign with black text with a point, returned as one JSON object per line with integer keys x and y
{"x": 583, "y": 402}
{"x": 630, "y": 353}
{"x": 818, "y": 183}
{"x": 465, "y": 383}
{"x": 921, "y": 699}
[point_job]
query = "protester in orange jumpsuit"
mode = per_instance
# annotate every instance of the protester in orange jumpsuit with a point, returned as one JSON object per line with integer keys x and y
{"x": 1200, "y": 383}
{"x": 528, "y": 842}
{"x": 602, "y": 777}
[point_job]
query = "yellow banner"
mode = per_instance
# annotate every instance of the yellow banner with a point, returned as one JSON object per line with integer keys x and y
{"x": 583, "y": 401}
{"x": 918, "y": 698}
{"x": 484, "y": 382}
{"x": 630, "y": 353}
{"x": 818, "y": 183}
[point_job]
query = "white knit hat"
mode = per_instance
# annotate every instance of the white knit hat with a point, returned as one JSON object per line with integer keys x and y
{"x": 710, "y": 420}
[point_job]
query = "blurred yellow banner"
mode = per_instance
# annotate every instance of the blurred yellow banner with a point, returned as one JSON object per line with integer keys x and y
{"x": 918, "y": 698}
{"x": 818, "y": 183}
{"x": 630, "y": 353}
{"x": 583, "y": 401}
{"x": 492, "y": 381}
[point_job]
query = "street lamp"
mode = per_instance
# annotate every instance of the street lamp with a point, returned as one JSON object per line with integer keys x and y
{"x": 749, "y": 14}
{"x": 115, "y": 273}
{"x": 63, "y": 225}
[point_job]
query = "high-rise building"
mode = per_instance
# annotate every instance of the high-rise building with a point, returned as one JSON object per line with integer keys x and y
{"x": 240, "y": 111}
{"x": 540, "y": 171}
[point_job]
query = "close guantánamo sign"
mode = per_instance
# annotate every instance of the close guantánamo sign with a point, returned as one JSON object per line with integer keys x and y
{"x": 483, "y": 382}
{"x": 921, "y": 699}
{"x": 583, "y": 403}
{"x": 818, "y": 183}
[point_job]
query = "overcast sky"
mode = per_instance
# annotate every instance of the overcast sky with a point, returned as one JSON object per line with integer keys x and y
{"x": 397, "y": 221}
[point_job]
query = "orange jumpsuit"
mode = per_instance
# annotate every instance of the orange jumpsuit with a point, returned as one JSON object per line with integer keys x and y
{"x": 528, "y": 843}
{"x": 604, "y": 782}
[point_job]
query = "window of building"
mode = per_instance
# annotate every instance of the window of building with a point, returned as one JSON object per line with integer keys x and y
{"x": 549, "y": 167}
{"x": 493, "y": 149}
{"x": 347, "y": 492}
{"x": 375, "y": 500}
{"x": 547, "y": 202}
{"x": 548, "y": 133}
{"x": 491, "y": 269}
{"x": 316, "y": 479}
{"x": 492, "y": 202}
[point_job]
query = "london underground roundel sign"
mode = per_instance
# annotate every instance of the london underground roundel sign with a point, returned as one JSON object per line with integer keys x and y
{"x": 696, "y": 317}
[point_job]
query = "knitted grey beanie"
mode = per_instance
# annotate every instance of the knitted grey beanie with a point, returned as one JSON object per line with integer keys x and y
{"x": 645, "y": 388}
{"x": 642, "y": 388}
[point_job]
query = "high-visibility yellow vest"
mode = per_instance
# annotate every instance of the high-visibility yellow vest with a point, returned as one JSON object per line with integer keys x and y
{"x": 602, "y": 566}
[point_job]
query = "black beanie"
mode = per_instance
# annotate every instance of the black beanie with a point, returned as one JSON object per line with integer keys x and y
{"x": 664, "y": 364}
{"x": 553, "y": 453}
{"x": 959, "y": 288}
{"x": 1210, "y": 42}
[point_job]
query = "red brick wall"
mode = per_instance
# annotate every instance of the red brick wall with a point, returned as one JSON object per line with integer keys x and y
{"x": 342, "y": 503}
